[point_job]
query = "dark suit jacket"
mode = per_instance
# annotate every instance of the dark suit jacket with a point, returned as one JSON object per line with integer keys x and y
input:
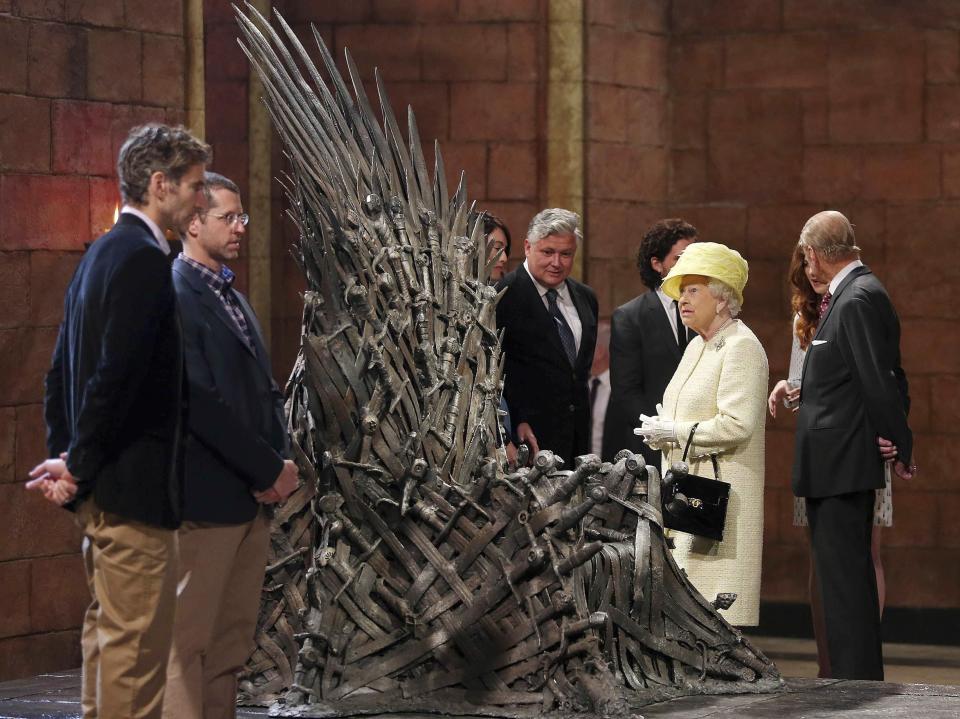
{"x": 237, "y": 437}
{"x": 540, "y": 386}
{"x": 853, "y": 390}
{"x": 113, "y": 392}
{"x": 644, "y": 354}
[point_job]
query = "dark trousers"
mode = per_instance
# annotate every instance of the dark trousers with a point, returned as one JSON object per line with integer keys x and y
{"x": 840, "y": 530}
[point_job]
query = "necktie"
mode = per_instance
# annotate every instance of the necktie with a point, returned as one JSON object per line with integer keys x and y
{"x": 681, "y": 328}
{"x": 563, "y": 329}
{"x": 594, "y": 386}
{"x": 825, "y": 303}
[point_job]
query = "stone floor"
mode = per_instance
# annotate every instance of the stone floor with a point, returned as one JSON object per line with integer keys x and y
{"x": 923, "y": 682}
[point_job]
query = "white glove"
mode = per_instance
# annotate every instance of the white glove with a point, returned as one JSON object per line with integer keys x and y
{"x": 656, "y": 430}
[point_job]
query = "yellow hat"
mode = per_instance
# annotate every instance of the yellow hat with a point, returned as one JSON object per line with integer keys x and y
{"x": 710, "y": 259}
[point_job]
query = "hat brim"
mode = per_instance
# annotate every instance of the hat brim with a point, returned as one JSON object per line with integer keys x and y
{"x": 671, "y": 284}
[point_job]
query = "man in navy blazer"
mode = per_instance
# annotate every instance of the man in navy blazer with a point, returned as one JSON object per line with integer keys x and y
{"x": 550, "y": 331}
{"x": 853, "y": 393}
{"x": 647, "y": 341}
{"x": 235, "y": 463}
{"x": 113, "y": 409}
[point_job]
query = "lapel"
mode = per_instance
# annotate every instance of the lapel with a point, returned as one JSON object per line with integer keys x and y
{"x": 530, "y": 297}
{"x": 210, "y": 302}
{"x": 258, "y": 342}
{"x": 857, "y": 272}
{"x": 658, "y": 321}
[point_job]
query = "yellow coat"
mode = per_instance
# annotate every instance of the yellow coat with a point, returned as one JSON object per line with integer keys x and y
{"x": 722, "y": 384}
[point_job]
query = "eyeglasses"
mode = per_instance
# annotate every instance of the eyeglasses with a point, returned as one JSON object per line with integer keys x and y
{"x": 232, "y": 217}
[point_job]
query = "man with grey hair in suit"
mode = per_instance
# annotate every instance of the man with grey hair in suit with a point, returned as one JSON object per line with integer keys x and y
{"x": 550, "y": 331}
{"x": 853, "y": 401}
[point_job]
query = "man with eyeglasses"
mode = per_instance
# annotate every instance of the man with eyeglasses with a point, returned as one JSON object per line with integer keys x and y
{"x": 235, "y": 464}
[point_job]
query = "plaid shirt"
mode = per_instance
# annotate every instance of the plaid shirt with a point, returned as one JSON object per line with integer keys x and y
{"x": 222, "y": 285}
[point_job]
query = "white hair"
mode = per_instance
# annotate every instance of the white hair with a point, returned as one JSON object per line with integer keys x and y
{"x": 554, "y": 221}
{"x": 723, "y": 292}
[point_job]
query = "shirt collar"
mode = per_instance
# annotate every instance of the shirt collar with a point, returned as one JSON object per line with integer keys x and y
{"x": 839, "y": 277}
{"x": 561, "y": 289}
{"x": 154, "y": 227}
{"x": 219, "y": 282}
{"x": 665, "y": 299}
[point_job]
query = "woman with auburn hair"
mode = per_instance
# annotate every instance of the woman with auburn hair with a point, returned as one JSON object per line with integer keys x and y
{"x": 806, "y": 294}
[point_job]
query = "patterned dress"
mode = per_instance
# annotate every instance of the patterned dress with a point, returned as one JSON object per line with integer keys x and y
{"x": 883, "y": 506}
{"x": 722, "y": 384}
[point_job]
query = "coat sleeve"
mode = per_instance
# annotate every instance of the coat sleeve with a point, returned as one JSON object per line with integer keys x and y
{"x": 741, "y": 394}
{"x": 138, "y": 297}
{"x": 214, "y": 424}
{"x": 882, "y": 383}
{"x": 58, "y": 431}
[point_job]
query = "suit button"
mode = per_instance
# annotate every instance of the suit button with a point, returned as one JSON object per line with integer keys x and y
{"x": 572, "y": 408}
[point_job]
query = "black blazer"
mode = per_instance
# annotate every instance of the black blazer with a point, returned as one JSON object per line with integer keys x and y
{"x": 644, "y": 354}
{"x": 114, "y": 390}
{"x": 540, "y": 386}
{"x": 237, "y": 438}
{"x": 852, "y": 390}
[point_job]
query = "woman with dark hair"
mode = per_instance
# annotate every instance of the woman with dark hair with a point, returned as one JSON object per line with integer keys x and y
{"x": 806, "y": 294}
{"x": 498, "y": 240}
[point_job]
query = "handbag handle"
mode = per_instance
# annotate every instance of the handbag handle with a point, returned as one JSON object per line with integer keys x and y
{"x": 713, "y": 455}
{"x": 690, "y": 440}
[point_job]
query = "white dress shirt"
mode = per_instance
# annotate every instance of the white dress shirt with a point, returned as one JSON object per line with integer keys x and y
{"x": 839, "y": 277}
{"x": 668, "y": 307}
{"x": 564, "y": 302}
{"x": 598, "y": 410}
{"x": 667, "y": 303}
{"x": 154, "y": 227}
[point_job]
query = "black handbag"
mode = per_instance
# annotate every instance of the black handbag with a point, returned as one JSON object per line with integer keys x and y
{"x": 692, "y": 504}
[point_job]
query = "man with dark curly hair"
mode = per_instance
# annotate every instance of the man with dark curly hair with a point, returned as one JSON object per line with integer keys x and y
{"x": 647, "y": 341}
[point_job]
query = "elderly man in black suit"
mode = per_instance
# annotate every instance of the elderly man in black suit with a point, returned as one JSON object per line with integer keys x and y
{"x": 550, "y": 324}
{"x": 114, "y": 413}
{"x": 646, "y": 343}
{"x": 235, "y": 462}
{"x": 853, "y": 393}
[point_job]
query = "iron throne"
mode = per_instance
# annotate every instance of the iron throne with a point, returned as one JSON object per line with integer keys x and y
{"x": 412, "y": 571}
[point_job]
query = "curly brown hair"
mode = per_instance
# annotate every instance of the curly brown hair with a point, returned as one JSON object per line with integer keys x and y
{"x": 804, "y": 300}
{"x": 157, "y": 148}
{"x": 657, "y": 243}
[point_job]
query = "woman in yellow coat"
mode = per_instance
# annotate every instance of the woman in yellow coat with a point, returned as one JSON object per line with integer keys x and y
{"x": 720, "y": 385}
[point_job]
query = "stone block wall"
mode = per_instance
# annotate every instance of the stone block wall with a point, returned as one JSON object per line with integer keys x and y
{"x": 74, "y": 77}
{"x": 473, "y": 72}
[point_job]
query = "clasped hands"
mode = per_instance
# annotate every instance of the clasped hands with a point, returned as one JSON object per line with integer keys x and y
{"x": 287, "y": 482}
{"x": 53, "y": 479}
{"x": 889, "y": 452}
{"x": 656, "y": 430}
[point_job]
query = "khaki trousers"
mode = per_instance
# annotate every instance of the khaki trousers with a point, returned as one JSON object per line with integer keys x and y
{"x": 132, "y": 572}
{"x": 218, "y": 600}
